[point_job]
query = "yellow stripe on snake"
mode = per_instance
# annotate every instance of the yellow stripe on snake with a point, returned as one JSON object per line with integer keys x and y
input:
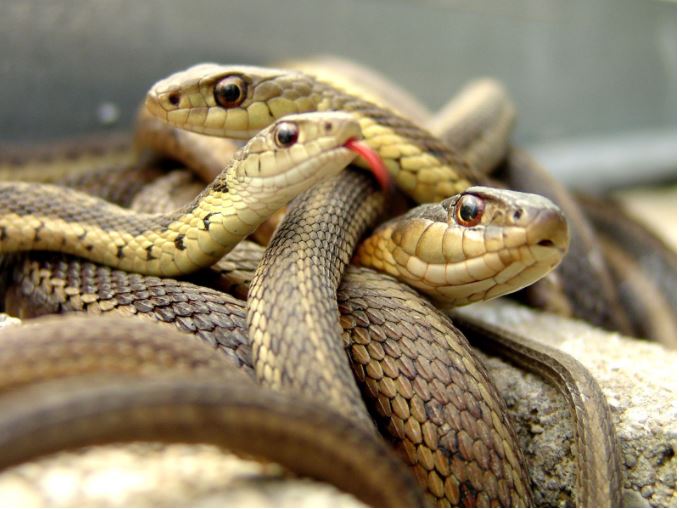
{"x": 236, "y": 102}
{"x": 521, "y": 230}
{"x": 276, "y": 164}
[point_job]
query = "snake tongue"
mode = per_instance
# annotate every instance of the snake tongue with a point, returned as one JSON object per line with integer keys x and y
{"x": 374, "y": 161}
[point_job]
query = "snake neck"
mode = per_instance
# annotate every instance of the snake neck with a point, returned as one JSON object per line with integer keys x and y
{"x": 422, "y": 165}
{"x": 44, "y": 217}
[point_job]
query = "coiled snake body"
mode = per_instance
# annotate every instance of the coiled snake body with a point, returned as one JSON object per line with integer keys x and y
{"x": 404, "y": 156}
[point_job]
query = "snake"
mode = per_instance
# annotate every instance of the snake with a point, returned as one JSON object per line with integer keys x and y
{"x": 233, "y": 101}
{"x": 276, "y": 164}
{"x": 237, "y": 101}
{"x": 449, "y": 482}
{"x": 419, "y": 191}
{"x": 209, "y": 97}
{"x": 184, "y": 401}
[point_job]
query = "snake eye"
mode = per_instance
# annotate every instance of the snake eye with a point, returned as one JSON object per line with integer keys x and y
{"x": 286, "y": 134}
{"x": 230, "y": 92}
{"x": 469, "y": 210}
{"x": 174, "y": 98}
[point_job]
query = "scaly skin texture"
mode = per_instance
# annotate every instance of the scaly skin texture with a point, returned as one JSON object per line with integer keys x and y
{"x": 409, "y": 366}
{"x": 423, "y": 166}
{"x": 292, "y": 307}
{"x": 430, "y": 394}
{"x": 518, "y": 238}
{"x": 262, "y": 177}
{"x": 49, "y": 283}
{"x": 169, "y": 388}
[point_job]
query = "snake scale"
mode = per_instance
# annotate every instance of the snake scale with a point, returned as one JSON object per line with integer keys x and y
{"x": 391, "y": 389}
{"x": 407, "y": 418}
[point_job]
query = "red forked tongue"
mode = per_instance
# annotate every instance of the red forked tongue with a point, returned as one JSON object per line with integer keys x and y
{"x": 375, "y": 162}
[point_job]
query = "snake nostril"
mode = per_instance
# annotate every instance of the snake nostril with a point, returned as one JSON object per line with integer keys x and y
{"x": 174, "y": 98}
{"x": 546, "y": 243}
{"x": 327, "y": 126}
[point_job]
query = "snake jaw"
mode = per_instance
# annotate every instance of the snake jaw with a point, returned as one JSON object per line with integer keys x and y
{"x": 193, "y": 100}
{"x": 516, "y": 239}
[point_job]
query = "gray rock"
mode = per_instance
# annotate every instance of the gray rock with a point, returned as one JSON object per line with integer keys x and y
{"x": 639, "y": 381}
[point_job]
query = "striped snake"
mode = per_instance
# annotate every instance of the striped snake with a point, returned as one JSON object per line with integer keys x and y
{"x": 275, "y": 165}
{"x": 487, "y": 214}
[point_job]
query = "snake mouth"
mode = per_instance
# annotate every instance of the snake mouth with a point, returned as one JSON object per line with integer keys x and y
{"x": 375, "y": 163}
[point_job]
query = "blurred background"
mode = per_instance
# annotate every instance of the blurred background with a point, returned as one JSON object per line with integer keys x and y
{"x": 594, "y": 82}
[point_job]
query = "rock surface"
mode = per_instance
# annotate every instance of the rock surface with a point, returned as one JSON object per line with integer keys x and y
{"x": 639, "y": 381}
{"x": 158, "y": 475}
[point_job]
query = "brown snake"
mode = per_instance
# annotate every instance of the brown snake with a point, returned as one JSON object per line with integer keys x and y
{"x": 367, "y": 319}
{"x": 194, "y": 396}
{"x": 389, "y": 372}
{"x": 198, "y": 91}
{"x": 406, "y": 369}
{"x": 474, "y": 488}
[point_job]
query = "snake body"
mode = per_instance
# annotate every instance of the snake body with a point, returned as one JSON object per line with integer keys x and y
{"x": 315, "y": 240}
{"x": 298, "y": 348}
{"x": 264, "y": 176}
{"x": 186, "y": 403}
{"x": 409, "y": 154}
{"x": 422, "y": 166}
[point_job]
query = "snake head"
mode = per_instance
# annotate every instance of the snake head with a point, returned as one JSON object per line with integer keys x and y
{"x": 230, "y": 101}
{"x": 291, "y": 155}
{"x": 476, "y": 245}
